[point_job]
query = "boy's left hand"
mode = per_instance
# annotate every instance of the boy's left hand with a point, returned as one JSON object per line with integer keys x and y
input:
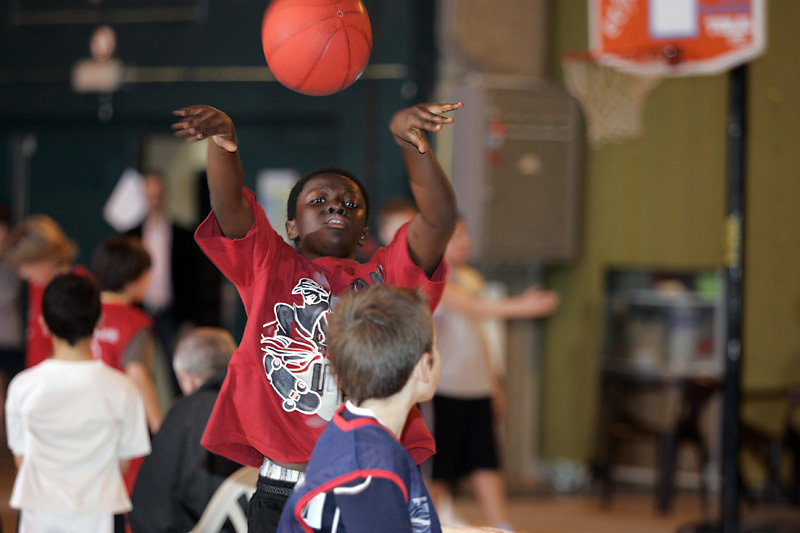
{"x": 537, "y": 302}
{"x": 200, "y": 122}
{"x": 408, "y": 125}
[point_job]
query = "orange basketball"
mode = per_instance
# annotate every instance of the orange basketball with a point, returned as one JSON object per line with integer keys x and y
{"x": 316, "y": 47}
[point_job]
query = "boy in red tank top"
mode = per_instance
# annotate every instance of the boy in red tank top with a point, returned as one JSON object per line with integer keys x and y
{"x": 124, "y": 339}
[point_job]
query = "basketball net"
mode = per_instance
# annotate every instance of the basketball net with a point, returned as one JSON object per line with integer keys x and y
{"x": 612, "y": 100}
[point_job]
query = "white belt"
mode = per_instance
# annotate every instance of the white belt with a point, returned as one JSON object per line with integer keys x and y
{"x": 277, "y": 472}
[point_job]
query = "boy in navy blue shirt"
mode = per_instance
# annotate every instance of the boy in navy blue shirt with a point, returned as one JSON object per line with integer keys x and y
{"x": 359, "y": 477}
{"x": 380, "y": 341}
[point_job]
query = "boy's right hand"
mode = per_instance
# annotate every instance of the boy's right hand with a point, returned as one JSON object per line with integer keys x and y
{"x": 200, "y": 122}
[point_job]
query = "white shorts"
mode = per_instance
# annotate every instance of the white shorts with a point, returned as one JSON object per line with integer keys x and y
{"x": 41, "y": 522}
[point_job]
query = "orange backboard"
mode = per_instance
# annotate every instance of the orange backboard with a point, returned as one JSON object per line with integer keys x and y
{"x": 676, "y": 37}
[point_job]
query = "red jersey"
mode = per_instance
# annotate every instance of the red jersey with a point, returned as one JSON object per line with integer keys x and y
{"x": 280, "y": 390}
{"x": 38, "y": 345}
{"x": 120, "y": 323}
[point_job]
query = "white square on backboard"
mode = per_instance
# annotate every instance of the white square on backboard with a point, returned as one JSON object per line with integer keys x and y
{"x": 671, "y": 19}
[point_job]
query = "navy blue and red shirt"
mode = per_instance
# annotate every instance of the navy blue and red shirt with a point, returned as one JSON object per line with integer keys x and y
{"x": 359, "y": 478}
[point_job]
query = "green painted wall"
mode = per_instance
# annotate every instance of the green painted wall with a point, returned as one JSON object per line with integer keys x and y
{"x": 80, "y": 155}
{"x": 660, "y": 200}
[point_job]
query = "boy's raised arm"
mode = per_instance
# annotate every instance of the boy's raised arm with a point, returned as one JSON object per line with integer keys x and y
{"x": 430, "y": 230}
{"x": 534, "y": 302}
{"x": 223, "y": 167}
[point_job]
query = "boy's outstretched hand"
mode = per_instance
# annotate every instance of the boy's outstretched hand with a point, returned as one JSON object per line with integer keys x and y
{"x": 407, "y": 125}
{"x": 200, "y": 122}
{"x": 537, "y": 302}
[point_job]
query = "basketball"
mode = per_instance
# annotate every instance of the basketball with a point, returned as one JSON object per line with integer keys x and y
{"x": 316, "y": 47}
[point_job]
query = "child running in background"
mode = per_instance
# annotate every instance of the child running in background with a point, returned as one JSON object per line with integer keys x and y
{"x": 72, "y": 422}
{"x": 39, "y": 250}
{"x": 470, "y": 398}
{"x": 359, "y": 477}
{"x": 280, "y": 392}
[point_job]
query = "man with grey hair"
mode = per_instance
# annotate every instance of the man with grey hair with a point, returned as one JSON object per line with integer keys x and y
{"x": 200, "y": 355}
{"x": 179, "y": 477}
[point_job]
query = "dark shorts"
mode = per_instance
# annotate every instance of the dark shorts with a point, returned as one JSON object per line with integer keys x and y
{"x": 265, "y": 506}
{"x": 464, "y": 433}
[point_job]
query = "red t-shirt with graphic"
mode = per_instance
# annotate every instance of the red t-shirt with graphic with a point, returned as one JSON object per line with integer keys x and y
{"x": 280, "y": 390}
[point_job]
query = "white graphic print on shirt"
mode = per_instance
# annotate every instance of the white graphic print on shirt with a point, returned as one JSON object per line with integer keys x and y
{"x": 294, "y": 348}
{"x": 294, "y": 352}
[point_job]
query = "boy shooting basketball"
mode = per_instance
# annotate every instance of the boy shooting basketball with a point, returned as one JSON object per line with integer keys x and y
{"x": 280, "y": 391}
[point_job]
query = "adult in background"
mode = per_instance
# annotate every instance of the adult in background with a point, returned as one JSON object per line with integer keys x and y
{"x": 178, "y": 478}
{"x": 169, "y": 297}
{"x": 12, "y": 345}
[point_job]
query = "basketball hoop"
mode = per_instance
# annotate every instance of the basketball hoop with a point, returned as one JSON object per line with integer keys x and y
{"x": 635, "y": 43}
{"x": 612, "y": 100}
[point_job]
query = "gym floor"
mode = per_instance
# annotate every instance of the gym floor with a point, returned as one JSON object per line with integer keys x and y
{"x": 631, "y": 511}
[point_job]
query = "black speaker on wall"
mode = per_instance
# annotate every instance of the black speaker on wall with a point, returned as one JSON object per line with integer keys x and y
{"x": 516, "y": 166}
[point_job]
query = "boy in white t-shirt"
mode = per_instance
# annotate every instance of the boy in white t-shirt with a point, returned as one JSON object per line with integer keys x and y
{"x": 72, "y": 422}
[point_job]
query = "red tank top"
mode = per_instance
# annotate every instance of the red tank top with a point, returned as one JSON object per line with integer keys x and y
{"x": 38, "y": 345}
{"x": 120, "y": 324}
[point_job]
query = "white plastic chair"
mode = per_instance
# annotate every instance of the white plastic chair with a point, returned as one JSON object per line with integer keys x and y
{"x": 224, "y": 504}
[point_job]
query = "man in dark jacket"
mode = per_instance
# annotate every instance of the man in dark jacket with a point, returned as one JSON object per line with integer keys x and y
{"x": 178, "y": 478}
{"x": 184, "y": 286}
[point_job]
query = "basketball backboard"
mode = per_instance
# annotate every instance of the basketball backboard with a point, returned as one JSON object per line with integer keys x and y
{"x": 676, "y": 37}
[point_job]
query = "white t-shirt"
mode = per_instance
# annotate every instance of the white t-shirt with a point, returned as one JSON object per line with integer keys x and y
{"x": 462, "y": 343}
{"x": 73, "y": 421}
